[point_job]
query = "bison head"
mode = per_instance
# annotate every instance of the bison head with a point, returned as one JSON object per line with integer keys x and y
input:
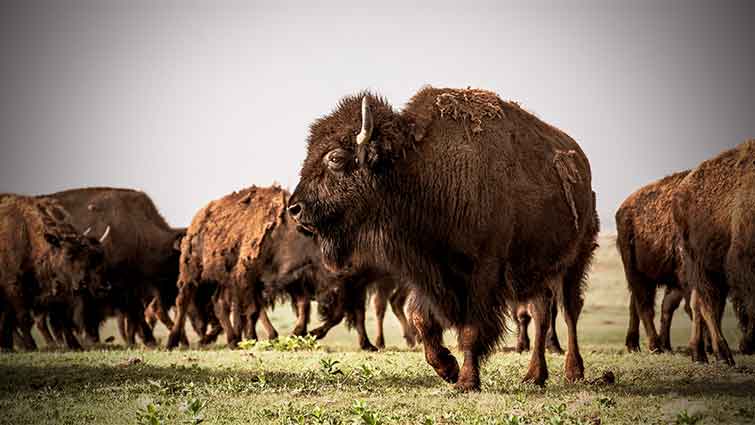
{"x": 78, "y": 262}
{"x": 346, "y": 175}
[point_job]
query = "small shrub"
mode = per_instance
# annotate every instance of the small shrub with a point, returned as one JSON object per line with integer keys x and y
{"x": 684, "y": 418}
{"x": 364, "y": 414}
{"x": 150, "y": 415}
{"x": 330, "y": 368}
{"x": 284, "y": 343}
{"x": 193, "y": 408}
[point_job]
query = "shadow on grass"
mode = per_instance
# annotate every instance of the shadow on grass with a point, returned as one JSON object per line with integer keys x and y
{"x": 20, "y": 379}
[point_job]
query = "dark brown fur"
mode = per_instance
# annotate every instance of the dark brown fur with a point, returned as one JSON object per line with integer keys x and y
{"x": 141, "y": 254}
{"x": 45, "y": 266}
{"x": 647, "y": 242}
{"x": 473, "y": 200}
{"x": 714, "y": 209}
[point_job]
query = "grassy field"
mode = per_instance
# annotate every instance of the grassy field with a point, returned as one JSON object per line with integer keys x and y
{"x": 337, "y": 384}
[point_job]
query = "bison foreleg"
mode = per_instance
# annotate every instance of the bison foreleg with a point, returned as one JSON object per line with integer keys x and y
{"x": 303, "y": 307}
{"x": 364, "y": 340}
{"x": 186, "y": 296}
{"x": 436, "y": 355}
{"x": 552, "y": 338}
{"x": 671, "y": 300}
{"x": 398, "y": 301}
{"x": 380, "y": 303}
{"x": 44, "y": 330}
{"x": 523, "y": 319}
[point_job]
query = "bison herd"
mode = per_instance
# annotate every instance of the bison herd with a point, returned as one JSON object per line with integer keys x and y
{"x": 459, "y": 211}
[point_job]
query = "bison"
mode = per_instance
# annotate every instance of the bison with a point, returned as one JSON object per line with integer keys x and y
{"x": 46, "y": 265}
{"x": 647, "y": 242}
{"x": 474, "y": 201}
{"x": 141, "y": 255}
{"x": 229, "y": 246}
{"x": 714, "y": 210}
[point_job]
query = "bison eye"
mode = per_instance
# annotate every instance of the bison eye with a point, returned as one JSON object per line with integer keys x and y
{"x": 336, "y": 159}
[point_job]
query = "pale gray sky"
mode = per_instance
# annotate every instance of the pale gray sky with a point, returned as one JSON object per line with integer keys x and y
{"x": 190, "y": 101}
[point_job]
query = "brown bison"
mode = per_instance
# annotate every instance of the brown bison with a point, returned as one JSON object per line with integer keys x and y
{"x": 46, "y": 265}
{"x": 229, "y": 246}
{"x": 141, "y": 255}
{"x": 714, "y": 209}
{"x": 647, "y": 242}
{"x": 474, "y": 201}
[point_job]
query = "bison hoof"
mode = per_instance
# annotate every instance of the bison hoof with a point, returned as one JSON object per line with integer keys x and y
{"x": 654, "y": 346}
{"x": 575, "y": 369}
{"x": 172, "y": 341}
{"x": 299, "y": 331}
{"x": 699, "y": 355}
{"x": 746, "y": 347}
{"x": 555, "y": 348}
{"x": 368, "y": 347}
{"x": 450, "y": 373}
{"x": 380, "y": 343}
{"x": 521, "y": 347}
{"x": 633, "y": 342}
{"x": 468, "y": 385}
{"x": 410, "y": 341}
{"x": 536, "y": 376}
{"x": 724, "y": 355}
{"x": 318, "y": 333}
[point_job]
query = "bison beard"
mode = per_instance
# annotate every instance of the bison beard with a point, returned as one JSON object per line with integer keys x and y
{"x": 473, "y": 201}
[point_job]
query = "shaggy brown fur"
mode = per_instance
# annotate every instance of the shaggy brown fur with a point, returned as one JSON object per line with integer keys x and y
{"x": 472, "y": 219}
{"x": 45, "y": 264}
{"x": 714, "y": 208}
{"x": 141, "y": 253}
{"x": 227, "y": 245}
{"x": 647, "y": 242}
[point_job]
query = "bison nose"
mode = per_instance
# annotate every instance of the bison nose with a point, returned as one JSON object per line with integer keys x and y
{"x": 295, "y": 210}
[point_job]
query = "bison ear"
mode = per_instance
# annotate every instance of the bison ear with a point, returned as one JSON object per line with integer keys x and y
{"x": 52, "y": 240}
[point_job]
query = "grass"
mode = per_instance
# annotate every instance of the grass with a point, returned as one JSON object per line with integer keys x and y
{"x": 295, "y": 382}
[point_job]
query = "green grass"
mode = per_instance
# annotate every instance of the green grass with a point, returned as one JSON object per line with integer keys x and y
{"x": 337, "y": 384}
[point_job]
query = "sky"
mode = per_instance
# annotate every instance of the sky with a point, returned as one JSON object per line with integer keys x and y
{"x": 189, "y": 101}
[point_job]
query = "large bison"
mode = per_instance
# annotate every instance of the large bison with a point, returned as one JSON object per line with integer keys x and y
{"x": 46, "y": 265}
{"x": 647, "y": 242}
{"x": 474, "y": 201}
{"x": 714, "y": 209}
{"x": 141, "y": 255}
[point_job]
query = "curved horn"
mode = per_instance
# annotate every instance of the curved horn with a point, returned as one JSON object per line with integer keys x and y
{"x": 105, "y": 235}
{"x": 366, "y": 133}
{"x": 86, "y": 232}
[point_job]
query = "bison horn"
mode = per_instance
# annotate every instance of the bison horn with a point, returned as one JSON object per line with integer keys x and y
{"x": 366, "y": 133}
{"x": 105, "y": 235}
{"x": 86, "y": 232}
